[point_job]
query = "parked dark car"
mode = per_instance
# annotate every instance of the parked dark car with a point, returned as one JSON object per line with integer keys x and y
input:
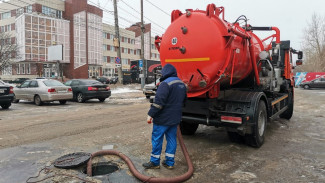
{"x": 103, "y": 80}
{"x": 18, "y": 81}
{"x": 316, "y": 83}
{"x": 85, "y": 89}
{"x": 6, "y": 95}
{"x": 113, "y": 80}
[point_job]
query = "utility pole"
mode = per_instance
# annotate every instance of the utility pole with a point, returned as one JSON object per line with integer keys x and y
{"x": 144, "y": 63}
{"x": 117, "y": 36}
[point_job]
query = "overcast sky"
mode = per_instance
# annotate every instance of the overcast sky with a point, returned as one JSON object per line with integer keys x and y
{"x": 290, "y": 16}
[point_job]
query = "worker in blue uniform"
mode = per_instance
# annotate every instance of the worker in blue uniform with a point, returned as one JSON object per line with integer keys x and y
{"x": 166, "y": 114}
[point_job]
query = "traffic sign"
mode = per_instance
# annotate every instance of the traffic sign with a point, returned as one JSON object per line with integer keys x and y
{"x": 140, "y": 63}
{"x": 118, "y": 60}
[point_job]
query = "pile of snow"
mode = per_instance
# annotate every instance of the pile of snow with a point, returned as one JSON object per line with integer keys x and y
{"x": 124, "y": 90}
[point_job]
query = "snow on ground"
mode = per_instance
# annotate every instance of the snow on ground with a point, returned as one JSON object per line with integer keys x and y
{"x": 124, "y": 90}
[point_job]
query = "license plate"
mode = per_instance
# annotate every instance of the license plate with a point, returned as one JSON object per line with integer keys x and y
{"x": 101, "y": 88}
{"x": 62, "y": 91}
{"x": 2, "y": 91}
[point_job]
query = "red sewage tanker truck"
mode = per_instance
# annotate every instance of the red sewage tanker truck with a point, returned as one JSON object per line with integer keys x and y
{"x": 235, "y": 80}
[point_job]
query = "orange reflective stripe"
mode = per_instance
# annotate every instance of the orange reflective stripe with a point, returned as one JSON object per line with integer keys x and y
{"x": 189, "y": 59}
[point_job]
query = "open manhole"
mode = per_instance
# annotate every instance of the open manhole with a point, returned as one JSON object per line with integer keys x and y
{"x": 102, "y": 168}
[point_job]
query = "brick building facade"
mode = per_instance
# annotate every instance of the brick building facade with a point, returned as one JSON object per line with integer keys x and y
{"x": 88, "y": 49}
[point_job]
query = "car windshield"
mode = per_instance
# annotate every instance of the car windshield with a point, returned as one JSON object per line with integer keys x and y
{"x": 52, "y": 83}
{"x": 91, "y": 82}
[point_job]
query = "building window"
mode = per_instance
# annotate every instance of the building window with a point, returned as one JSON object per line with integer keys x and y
{"x": 112, "y": 59}
{"x": 8, "y": 28}
{"x": 27, "y": 68}
{"x": 94, "y": 39}
{"x": 19, "y": 11}
{"x": 104, "y": 35}
{"x": 22, "y": 68}
{"x": 6, "y": 15}
{"x": 111, "y": 36}
{"x": 106, "y": 59}
{"x": 104, "y": 47}
{"x": 51, "y": 12}
{"x": 18, "y": 68}
{"x": 29, "y": 9}
{"x": 125, "y": 61}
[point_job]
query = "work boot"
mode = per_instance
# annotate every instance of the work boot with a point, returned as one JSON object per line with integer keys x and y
{"x": 167, "y": 166}
{"x": 150, "y": 165}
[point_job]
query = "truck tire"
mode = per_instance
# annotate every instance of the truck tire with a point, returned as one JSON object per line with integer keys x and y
{"x": 256, "y": 139}
{"x": 288, "y": 113}
{"x": 188, "y": 128}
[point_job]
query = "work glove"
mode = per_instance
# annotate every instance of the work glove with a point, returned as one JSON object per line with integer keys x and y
{"x": 149, "y": 119}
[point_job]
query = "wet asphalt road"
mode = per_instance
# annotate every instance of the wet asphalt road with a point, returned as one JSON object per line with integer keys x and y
{"x": 32, "y": 137}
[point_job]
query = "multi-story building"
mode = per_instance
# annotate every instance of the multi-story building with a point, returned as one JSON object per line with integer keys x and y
{"x": 88, "y": 46}
{"x": 33, "y": 27}
{"x": 127, "y": 48}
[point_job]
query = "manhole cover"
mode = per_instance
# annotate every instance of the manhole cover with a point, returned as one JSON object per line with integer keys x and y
{"x": 72, "y": 160}
{"x": 102, "y": 168}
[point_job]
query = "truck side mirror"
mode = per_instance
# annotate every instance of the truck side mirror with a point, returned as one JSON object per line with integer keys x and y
{"x": 299, "y": 62}
{"x": 300, "y": 55}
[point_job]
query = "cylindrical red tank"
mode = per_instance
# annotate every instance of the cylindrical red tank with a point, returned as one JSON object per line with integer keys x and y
{"x": 206, "y": 50}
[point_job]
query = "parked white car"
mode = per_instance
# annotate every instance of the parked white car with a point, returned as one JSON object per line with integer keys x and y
{"x": 43, "y": 90}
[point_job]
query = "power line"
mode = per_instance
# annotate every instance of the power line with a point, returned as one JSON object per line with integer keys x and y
{"x": 158, "y": 8}
{"x": 126, "y": 20}
{"x": 144, "y": 16}
{"x": 111, "y": 12}
{"x": 127, "y": 11}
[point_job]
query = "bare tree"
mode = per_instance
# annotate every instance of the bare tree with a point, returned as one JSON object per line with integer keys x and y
{"x": 314, "y": 45}
{"x": 8, "y": 50}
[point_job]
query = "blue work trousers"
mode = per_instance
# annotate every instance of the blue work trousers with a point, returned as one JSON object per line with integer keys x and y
{"x": 158, "y": 133}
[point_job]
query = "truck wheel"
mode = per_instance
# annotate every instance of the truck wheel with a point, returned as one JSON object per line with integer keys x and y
{"x": 288, "y": 113}
{"x": 37, "y": 100}
{"x": 6, "y": 106}
{"x": 306, "y": 87}
{"x": 188, "y": 128}
{"x": 235, "y": 137}
{"x": 256, "y": 139}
